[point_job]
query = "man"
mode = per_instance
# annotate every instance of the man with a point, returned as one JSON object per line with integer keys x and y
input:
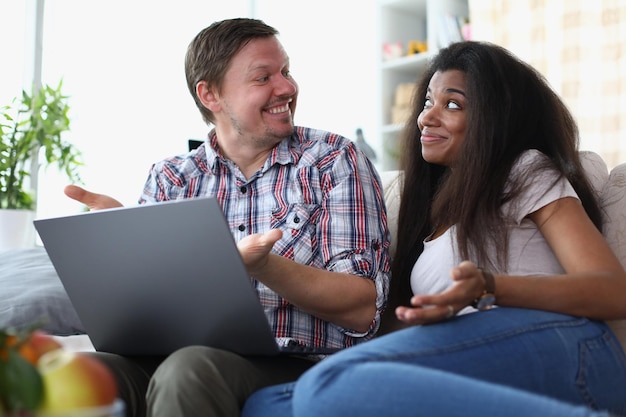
{"x": 305, "y": 206}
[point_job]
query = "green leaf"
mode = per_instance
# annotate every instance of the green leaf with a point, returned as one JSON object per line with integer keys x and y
{"x": 30, "y": 128}
{"x": 21, "y": 386}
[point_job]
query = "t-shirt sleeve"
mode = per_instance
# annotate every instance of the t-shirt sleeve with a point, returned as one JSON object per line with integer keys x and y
{"x": 543, "y": 185}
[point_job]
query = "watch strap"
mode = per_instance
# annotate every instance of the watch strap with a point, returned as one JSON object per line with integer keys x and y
{"x": 490, "y": 282}
{"x": 487, "y": 299}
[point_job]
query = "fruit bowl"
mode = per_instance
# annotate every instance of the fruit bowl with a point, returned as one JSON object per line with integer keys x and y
{"x": 115, "y": 410}
{"x": 38, "y": 378}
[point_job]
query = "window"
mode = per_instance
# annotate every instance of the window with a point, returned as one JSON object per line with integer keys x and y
{"x": 122, "y": 66}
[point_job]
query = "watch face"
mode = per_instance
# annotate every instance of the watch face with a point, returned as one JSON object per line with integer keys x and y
{"x": 486, "y": 302}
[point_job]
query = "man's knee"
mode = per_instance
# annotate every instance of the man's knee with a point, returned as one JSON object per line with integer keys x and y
{"x": 199, "y": 378}
{"x": 188, "y": 361}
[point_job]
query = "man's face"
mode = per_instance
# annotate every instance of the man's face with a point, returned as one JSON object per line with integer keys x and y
{"x": 258, "y": 97}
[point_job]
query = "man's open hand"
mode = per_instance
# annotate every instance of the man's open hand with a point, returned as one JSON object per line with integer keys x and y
{"x": 92, "y": 200}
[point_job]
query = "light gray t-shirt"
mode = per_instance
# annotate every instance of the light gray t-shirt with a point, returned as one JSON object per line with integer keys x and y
{"x": 529, "y": 253}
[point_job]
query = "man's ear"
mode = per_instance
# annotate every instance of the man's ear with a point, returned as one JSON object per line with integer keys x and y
{"x": 208, "y": 96}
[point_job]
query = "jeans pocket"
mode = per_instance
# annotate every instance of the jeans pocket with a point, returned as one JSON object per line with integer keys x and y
{"x": 601, "y": 375}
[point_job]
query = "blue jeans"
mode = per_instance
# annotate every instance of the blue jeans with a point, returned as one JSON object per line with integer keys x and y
{"x": 505, "y": 361}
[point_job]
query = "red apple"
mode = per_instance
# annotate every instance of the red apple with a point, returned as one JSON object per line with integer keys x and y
{"x": 74, "y": 380}
{"x": 33, "y": 346}
{"x": 40, "y": 343}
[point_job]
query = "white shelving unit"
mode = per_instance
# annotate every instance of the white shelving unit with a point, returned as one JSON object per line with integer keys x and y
{"x": 404, "y": 21}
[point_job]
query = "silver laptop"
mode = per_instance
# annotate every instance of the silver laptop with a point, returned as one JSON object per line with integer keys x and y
{"x": 149, "y": 279}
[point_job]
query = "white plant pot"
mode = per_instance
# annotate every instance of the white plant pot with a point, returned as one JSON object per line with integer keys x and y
{"x": 17, "y": 229}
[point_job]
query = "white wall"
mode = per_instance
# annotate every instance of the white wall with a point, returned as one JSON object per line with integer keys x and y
{"x": 122, "y": 65}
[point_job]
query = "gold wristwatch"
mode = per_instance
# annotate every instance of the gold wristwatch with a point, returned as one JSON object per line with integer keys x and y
{"x": 488, "y": 298}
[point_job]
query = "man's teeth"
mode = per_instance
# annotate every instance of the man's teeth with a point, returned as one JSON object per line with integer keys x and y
{"x": 276, "y": 110}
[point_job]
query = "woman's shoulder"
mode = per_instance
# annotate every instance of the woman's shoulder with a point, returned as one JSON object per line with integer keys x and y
{"x": 532, "y": 163}
{"x": 531, "y": 157}
{"x": 535, "y": 181}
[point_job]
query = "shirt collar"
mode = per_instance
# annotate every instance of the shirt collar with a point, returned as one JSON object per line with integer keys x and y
{"x": 284, "y": 153}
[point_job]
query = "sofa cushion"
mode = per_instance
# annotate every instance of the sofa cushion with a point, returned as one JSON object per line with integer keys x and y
{"x": 613, "y": 201}
{"x": 391, "y": 182}
{"x": 596, "y": 171}
{"x": 31, "y": 292}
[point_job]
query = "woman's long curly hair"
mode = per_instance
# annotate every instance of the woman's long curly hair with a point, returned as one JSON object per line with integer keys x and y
{"x": 510, "y": 109}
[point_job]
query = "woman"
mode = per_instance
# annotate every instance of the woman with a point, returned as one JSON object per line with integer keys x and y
{"x": 496, "y": 210}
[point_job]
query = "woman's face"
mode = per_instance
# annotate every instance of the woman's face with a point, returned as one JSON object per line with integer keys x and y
{"x": 443, "y": 119}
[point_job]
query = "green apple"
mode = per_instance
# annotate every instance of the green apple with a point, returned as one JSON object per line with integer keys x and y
{"x": 74, "y": 380}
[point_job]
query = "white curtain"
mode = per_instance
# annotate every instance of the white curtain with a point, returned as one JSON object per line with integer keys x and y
{"x": 580, "y": 47}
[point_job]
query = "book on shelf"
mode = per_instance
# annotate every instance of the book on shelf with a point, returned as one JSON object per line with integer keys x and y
{"x": 452, "y": 28}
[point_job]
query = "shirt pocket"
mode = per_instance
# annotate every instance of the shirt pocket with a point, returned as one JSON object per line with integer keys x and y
{"x": 299, "y": 224}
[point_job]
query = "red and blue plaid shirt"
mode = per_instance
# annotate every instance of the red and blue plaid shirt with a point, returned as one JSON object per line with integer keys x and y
{"x": 323, "y": 194}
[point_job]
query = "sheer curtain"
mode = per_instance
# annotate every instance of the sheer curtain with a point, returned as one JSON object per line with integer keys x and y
{"x": 13, "y": 35}
{"x": 580, "y": 47}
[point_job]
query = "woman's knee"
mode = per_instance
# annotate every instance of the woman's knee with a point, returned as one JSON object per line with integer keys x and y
{"x": 274, "y": 401}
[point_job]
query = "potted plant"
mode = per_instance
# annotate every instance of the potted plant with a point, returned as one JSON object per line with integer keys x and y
{"x": 31, "y": 133}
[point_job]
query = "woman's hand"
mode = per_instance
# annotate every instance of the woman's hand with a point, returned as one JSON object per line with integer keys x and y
{"x": 468, "y": 285}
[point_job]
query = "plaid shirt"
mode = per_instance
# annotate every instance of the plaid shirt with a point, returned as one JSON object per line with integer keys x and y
{"x": 323, "y": 194}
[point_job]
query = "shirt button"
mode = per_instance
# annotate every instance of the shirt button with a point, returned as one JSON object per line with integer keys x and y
{"x": 296, "y": 219}
{"x": 242, "y": 227}
{"x": 375, "y": 246}
{"x": 243, "y": 190}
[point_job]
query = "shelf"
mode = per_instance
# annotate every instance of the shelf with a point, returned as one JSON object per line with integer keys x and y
{"x": 414, "y": 62}
{"x": 402, "y": 22}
